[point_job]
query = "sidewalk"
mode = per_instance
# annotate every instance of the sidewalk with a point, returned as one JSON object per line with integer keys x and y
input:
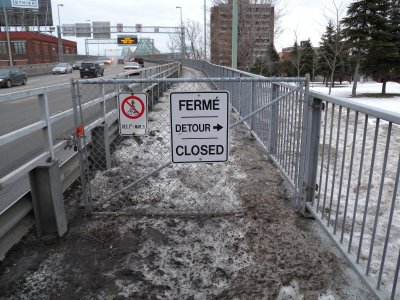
{"x": 209, "y": 231}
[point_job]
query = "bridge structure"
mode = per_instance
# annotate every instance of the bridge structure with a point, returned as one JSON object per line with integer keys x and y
{"x": 145, "y": 46}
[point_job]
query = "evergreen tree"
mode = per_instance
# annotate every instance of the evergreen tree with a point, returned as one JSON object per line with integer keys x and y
{"x": 273, "y": 68}
{"x": 369, "y": 27}
{"x": 257, "y": 67}
{"x": 356, "y": 30}
{"x": 325, "y": 51}
{"x": 269, "y": 65}
{"x": 394, "y": 21}
{"x": 382, "y": 53}
{"x": 332, "y": 53}
{"x": 307, "y": 54}
{"x": 301, "y": 59}
{"x": 294, "y": 58}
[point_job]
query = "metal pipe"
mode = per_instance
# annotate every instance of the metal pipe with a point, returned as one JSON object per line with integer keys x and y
{"x": 205, "y": 31}
{"x": 234, "y": 33}
{"x": 60, "y": 49}
{"x": 7, "y": 35}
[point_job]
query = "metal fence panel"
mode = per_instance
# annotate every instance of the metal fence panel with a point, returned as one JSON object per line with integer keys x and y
{"x": 150, "y": 154}
{"x": 353, "y": 192}
{"x": 357, "y": 199}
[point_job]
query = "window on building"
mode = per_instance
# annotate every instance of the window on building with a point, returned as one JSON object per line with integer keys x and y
{"x": 3, "y": 48}
{"x": 19, "y": 47}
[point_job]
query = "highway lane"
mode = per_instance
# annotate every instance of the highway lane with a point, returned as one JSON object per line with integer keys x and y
{"x": 22, "y": 112}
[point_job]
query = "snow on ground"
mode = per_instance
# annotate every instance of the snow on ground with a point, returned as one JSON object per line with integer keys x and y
{"x": 362, "y": 193}
{"x": 391, "y": 104}
{"x": 181, "y": 189}
{"x": 197, "y": 231}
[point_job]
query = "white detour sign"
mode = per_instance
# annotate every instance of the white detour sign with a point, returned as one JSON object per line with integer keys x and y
{"x": 199, "y": 126}
{"x": 132, "y": 114}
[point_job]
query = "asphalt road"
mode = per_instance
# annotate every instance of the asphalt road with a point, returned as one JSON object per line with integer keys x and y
{"x": 20, "y": 113}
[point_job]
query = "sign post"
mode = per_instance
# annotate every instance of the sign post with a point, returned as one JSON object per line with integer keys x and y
{"x": 199, "y": 126}
{"x": 132, "y": 113}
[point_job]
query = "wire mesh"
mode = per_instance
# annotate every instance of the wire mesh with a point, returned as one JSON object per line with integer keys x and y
{"x": 179, "y": 188}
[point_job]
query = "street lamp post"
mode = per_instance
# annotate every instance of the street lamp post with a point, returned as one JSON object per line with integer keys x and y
{"x": 182, "y": 35}
{"x": 60, "y": 49}
{"x": 86, "y": 42}
{"x": 205, "y": 31}
{"x": 7, "y": 35}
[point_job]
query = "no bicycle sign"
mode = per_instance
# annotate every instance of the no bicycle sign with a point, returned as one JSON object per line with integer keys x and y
{"x": 132, "y": 113}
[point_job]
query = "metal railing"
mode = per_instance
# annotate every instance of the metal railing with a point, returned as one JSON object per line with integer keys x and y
{"x": 264, "y": 101}
{"x": 347, "y": 174}
{"x": 340, "y": 157}
{"x": 55, "y": 146}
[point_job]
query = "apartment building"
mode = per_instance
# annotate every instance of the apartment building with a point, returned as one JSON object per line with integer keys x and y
{"x": 255, "y": 32}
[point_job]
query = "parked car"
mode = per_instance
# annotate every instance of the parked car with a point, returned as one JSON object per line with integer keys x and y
{"x": 139, "y": 60}
{"x": 121, "y": 61}
{"x": 62, "y": 68}
{"x": 12, "y": 76}
{"x": 91, "y": 69}
{"x": 130, "y": 65}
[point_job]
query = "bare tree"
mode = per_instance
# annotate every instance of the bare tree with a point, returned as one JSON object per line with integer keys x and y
{"x": 173, "y": 43}
{"x": 336, "y": 44}
{"x": 193, "y": 40}
{"x": 301, "y": 57}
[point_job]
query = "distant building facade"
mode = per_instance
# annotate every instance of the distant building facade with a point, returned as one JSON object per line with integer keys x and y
{"x": 33, "y": 48}
{"x": 255, "y": 32}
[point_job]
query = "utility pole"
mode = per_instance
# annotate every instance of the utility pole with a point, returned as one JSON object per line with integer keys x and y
{"x": 60, "y": 49}
{"x": 234, "y": 33}
{"x": 182, "y": 35}
{"x": 7, "y": 35}
{"x": 205, "y": 30}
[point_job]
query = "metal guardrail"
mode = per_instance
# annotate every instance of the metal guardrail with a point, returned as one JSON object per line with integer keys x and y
{"x": 346, "y": 177}
{"x": 18, "y": 208}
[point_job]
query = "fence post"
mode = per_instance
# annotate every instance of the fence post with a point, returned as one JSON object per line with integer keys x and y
{"x": 47, "y": 132}
{"x": 80, "y": 144}
{"x": 47, "y": 199}
{"x": 252, "y": 105}
{"x": 310, "y": 148}
{"x": 273, "y": 133}
{"x": 106, "y": 133}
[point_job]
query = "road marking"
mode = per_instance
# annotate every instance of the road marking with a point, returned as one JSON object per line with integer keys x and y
{"x": 23, "y": 100}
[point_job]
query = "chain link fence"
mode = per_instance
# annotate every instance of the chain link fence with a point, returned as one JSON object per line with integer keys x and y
{"x": 113, "y": 173}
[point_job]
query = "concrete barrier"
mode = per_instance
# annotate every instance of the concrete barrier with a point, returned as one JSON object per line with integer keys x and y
{"x": 42, "y": 69}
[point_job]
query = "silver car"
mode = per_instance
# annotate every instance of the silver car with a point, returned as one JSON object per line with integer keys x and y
{"x": 62, "y": 68}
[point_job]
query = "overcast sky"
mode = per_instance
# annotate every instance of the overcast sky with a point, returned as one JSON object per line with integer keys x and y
{"x": 307, "y": 17}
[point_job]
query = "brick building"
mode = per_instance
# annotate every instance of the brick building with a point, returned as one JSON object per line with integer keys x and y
{"x": 32, "y": 48}
{"x": 255, "y": 32}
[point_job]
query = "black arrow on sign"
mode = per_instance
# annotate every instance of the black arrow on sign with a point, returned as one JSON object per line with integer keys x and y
{"x": 218, "y": 127}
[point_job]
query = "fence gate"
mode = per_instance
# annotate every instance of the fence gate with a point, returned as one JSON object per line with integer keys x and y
{"x": 136, "y": 173}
